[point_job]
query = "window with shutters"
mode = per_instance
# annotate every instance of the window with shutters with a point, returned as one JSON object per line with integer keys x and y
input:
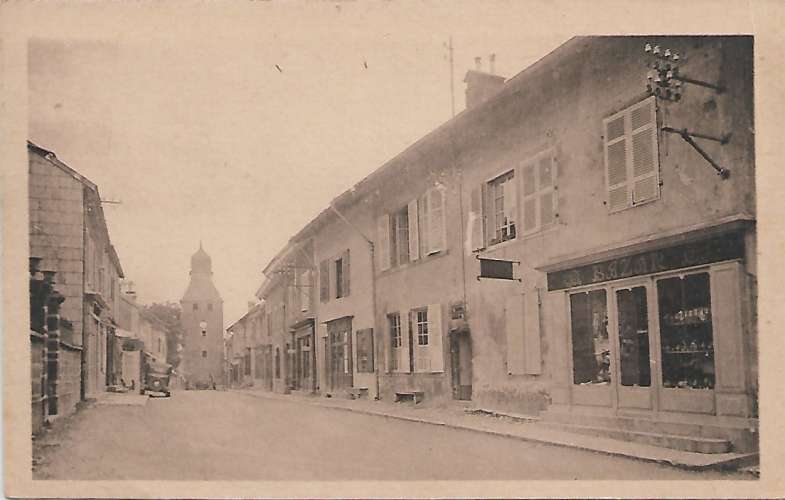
{"x": 338, "y": 278}
{"x": 425, "y": 325}
{"x": 539, "y": 199}
{"x": 340, "y": 270}
{"x": 632, "y": 170}
{"x": 399, "y": 237}
{"x": 501, "y": 208}
{"x": 422, "y": 326}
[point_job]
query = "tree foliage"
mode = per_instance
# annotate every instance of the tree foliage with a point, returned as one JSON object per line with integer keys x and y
{"x": 168, "y": 314}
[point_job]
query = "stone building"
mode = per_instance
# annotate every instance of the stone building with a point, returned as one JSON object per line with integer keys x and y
{"x": 68, "y": 233}
{"x": 202, "y": 320}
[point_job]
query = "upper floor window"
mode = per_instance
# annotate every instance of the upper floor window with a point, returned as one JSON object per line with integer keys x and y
{"x": 413, "y": 231}
{"x": 502, "y": 209}
{"x": 632, "y": 170}
{"x": 338, "y": 278}
{"x": 540, "y": 200}
{"x": 209, "y": 306}
{"x": 334, "y": 278}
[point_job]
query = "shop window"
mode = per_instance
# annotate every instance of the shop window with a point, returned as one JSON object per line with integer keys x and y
{"x": 590, "y": 346}
{"x": 365, "y": 350}
{"x": 686, "y": 331}
{"x": 634, "y": 363}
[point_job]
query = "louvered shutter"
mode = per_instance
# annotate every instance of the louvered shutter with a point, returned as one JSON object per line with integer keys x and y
{"x": 382, "y": 247}
{"x": 435, "y": 348}
{"x": 346, "y": 273}
{"x": 436, "y": 226}
{"x": 513, "y": 323}
{"x": 403, "y": 353}
{"x": 529, "y": 180}
{"x": 547, "y": 196}
{"x": 645, "y": 164}
{"x": 619, "y": 195}
{"x": 476, "y": 231}
{"x": 510, "y": 201}
{"x": 324, "y": 281}
{"x": 414, "y": 231}
{"x": 532, "y": 351}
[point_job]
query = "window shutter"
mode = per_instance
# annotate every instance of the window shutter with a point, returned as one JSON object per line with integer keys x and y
{"x": 548, "y": 198}
{"x": 645, "y": 168}
{"x": 435, "y": 348}
{"x": 531, "y": 334}
{"x": 346, "y": 273}
{"x": 324, "y": 281}
{"x": 305, "y": 290}
{"x": 414, "y": 232}
{"x": 403, "y": 353}
{"x": 510, "y": 201}
{"x": 383, "y": 241}
{"x": 475, "y": 231}
{"x": 616, "y": 163}
{"x": 436, "y": 226}
{"x": 513, "y": 323}
{"x": 529, "y": 198}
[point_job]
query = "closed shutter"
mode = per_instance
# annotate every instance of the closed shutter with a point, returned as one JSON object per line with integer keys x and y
{"x": 513, "y": 323}
{"x": 436, "y": 226}
{"x": 531, "y": 334}
{"x": 414, "y": 232}
{"x": 529, "y": 180}
{"x": 547, "y": 197}
{"x": 382, "y": 247}
{"x": 476, "y": 231}
{"x": 403, "y": 353}
{"x": 645, "y": 171}
{"x": 346, "y": 273}
{"x": 435, "y": 348}
{"x": 305, "y": 290}
{"x": 324, "y": 281}
{"x": 616, "y": 163}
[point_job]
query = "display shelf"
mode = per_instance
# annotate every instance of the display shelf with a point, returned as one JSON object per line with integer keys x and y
{"x": 696, "y": 351}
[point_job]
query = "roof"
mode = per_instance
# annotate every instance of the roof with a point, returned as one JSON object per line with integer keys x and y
{"x": 200, "y": 288}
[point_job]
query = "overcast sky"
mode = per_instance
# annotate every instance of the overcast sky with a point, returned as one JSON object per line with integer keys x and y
{"x": 201, "y": 136}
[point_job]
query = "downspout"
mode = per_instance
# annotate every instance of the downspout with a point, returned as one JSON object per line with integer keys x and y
{"x": 373, "y": 293}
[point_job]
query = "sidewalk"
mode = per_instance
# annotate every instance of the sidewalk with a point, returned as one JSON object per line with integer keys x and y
{"x": 121, "y": 399}
{"x": 458, "y": 416}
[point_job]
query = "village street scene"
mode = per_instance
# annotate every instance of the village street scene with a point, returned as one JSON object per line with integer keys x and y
{"x": 554, "y": 278}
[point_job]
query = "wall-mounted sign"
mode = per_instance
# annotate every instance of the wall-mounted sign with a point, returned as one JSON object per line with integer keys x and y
{"x": 497, "y": 269}
{"x": 716, "y": 249}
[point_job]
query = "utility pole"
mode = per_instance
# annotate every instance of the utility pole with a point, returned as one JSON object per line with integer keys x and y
{"x": 452, "y": 80}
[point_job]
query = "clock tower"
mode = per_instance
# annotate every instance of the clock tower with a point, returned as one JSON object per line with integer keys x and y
{"x": 202, "y": 320}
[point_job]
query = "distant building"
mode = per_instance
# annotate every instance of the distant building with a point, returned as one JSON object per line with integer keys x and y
{"x": 202, "y": 320}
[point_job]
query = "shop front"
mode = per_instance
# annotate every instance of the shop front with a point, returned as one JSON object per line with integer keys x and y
{"x": 304, "y": 359}
{"x": 658, "y": 332}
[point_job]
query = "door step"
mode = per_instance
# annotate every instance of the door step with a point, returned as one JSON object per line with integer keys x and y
{"x": 692, "y": 444}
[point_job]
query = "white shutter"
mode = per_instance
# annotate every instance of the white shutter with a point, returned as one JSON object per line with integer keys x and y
{"x": 436, "y": 226}
{"x": 382, "y": 247}
{"x": 510, "y": 201}
{"x": 476, "y": 231}
{"x": 435, "y": 348}
{"x": 403, "y": 352}
{"x": 532, "y": 352}
{"x": 529, "y": 180}
{"x": 414, "y": 232}
{"x": 513, "y": 323}
{"x": 546, "y": 196}
{"x": 645, "y": 164}
{"x": 616, "y": 179}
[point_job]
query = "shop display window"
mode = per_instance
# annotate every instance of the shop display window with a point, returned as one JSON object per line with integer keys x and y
{"x": 686, "y": 332}
{"x": 634, "y": 366}
{"x": 590, "y": 344}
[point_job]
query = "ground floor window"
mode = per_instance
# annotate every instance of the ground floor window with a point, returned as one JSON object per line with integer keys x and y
{"x": 365, "y": 351}
{"x": 304, "y": 354}
{"x": 396, "y": 341}
{"x": 686, "y": 331}
{"x": 634, "y": 363}
{"x": 590, "y": 345}
{"x": 277, "y": 362}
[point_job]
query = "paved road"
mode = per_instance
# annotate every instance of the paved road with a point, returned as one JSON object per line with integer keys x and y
{"x": 229, "y": 436}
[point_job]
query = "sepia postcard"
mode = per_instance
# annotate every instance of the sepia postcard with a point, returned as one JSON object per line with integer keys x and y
{"x": 391, "y": 249}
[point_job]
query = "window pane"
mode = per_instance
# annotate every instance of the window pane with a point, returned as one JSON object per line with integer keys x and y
{"x": 633, "y": 337}
{"x": 686, "y": 332}
{"x": 590, "y": 346}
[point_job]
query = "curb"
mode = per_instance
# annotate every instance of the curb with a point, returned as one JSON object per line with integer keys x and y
{"x": 732, "y": 463}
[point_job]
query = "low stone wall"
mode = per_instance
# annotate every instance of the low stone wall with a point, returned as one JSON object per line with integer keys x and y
{"x": 70, "y": 378}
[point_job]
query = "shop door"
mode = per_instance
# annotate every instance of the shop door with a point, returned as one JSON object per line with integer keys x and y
{"x": 632, "y": 346}
{"x": 340, "y": 360}
{"x": 461, "y": 366}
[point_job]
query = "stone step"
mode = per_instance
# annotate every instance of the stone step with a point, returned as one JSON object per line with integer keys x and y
{"x": 694, "y": 444}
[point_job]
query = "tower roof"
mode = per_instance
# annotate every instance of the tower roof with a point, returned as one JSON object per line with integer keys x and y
{"x": 201, "y": 262}
{"x": 201, "y": 286}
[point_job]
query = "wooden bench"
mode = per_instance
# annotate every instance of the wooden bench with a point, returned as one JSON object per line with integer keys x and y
{"x": 415, "y": 396}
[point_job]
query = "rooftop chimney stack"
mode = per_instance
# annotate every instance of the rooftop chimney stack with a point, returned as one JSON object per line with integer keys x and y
{"x": 480, "y": 86}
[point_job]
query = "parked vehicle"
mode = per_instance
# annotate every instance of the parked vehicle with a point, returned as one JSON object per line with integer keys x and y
{"x": 156, "y": 379}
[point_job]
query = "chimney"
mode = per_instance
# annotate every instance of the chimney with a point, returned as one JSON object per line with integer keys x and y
{"x": 481, "y": 85}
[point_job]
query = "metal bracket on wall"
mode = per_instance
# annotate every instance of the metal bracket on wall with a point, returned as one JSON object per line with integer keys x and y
{"x": 724, "y": 173}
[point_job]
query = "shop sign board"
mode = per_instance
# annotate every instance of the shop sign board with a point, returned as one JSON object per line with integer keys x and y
{"x": 716, "y": 249}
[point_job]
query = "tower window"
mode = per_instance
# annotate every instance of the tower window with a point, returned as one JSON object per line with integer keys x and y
{"x": 204, "y": 354}
{"x": 204, "y": 333}
{"x": 209, "y": 306}
{"x": 196, "y": 307}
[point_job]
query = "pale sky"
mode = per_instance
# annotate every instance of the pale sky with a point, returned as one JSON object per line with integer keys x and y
{"x": 200, "y": 136}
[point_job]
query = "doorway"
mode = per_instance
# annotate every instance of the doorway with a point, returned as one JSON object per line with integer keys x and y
{"x": 461, "y": 365}
{"x": 339, "y": 337}
{"x": 631, "y": 326}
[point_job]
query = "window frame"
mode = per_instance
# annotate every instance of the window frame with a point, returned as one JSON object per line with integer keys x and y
{"x": 539, "y": 190}
{"x": 421, "y": 327}
{"x": 490, "y": 211}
